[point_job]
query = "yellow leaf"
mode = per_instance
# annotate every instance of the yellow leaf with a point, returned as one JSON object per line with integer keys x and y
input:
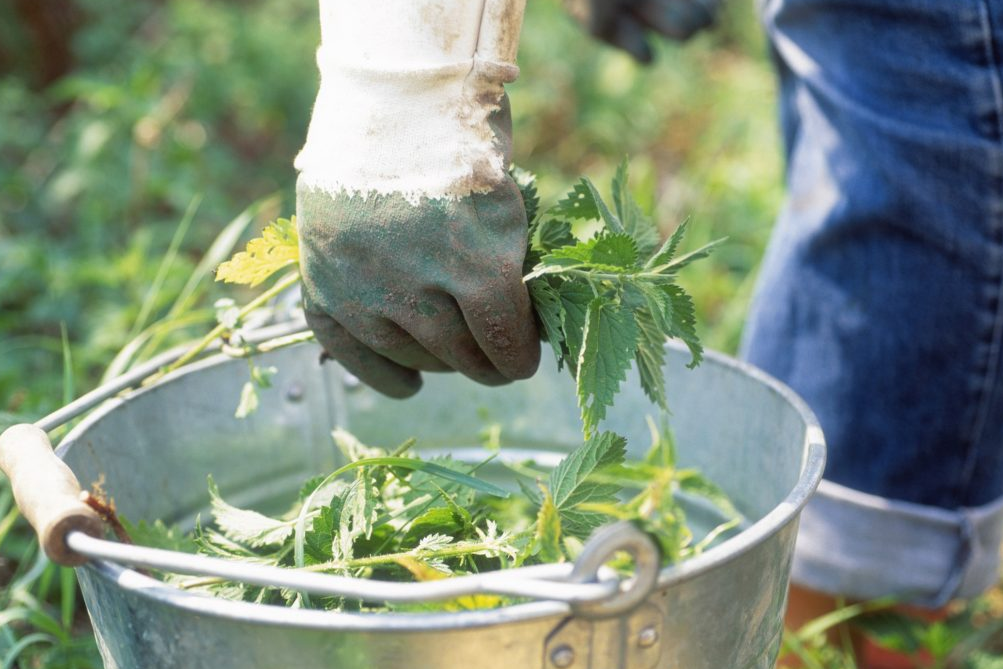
{"x": 548, "y": 529}
{"x": 422, "y": 571}
{"x": 277, "y": 247}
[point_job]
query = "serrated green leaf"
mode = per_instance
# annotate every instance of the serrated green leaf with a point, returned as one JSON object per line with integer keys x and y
{"x": 310, "y": 485}
{"x": 358, "y": 514}
{"x": 554, "y": 233}
{"x": 548, "y": 529}
{"x": 246, "y": 526}
{"x": 635, "y": 223}
{"x": 531, "y": 493}
{"x": 158, "y": 535}
{"x": 580, "y": 524}
{"x": 437, "y": 520}
{"x": 608, "y": 346}
{"x": 683, "y": 323}
{"x": 547, "y": 304}
{"x": 568, "y": 482}
{"x": 526, "y": 181}
{"x": 669, "y": 248}
{"x": 276, "y": 248}
{"x": 612, "y": 222}
{"x": 665, "y": 262}
{"x": 650, "y": 357}
{"x": 579, "y": 203}
{"x": 319, "y": 540}
{"x": 575, "y": 297}
{"x": 679, "y": 263}
{"x": 610, "y": 252}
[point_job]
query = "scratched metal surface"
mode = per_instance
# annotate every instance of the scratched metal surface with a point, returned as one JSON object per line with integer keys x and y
{"x": 721, "y": 610}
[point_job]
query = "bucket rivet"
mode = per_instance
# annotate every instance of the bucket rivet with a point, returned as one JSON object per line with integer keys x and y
{"x": 563, "y": 656}
{"x": 647, "y": 637}
{"x": 294, "y": 393}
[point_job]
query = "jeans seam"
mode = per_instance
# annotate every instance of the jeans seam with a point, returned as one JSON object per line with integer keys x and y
{"x": 988, "y": 380}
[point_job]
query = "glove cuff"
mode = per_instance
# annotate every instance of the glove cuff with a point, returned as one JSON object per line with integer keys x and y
{"x": 407, "y": 89}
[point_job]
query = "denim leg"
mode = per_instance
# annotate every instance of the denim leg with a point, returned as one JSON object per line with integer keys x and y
{"x": 879, "y": 300}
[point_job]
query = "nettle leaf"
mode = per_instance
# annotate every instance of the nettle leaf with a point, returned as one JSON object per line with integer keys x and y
{"x": 569, "y": 483}
{"x": 278, "y": 247}
{"x": 611, "y": 221}
{"x": 665, "y": 262}
{"x": 650, "y": 357}
{"x": 358, "y": 514}
{"x": 158, "y": 535}
{"x": 580, "y": 203}
{"x": 526, "y": 181}
{"x": 611, "y": 252}
{"x": 554, "y": 233}
{"x": 438, "y": 520}
{"x": 547, "y": 303}
{"x": 635, "y": 222}
{"x": 319, "y": 540}
{"x": 684, "y": 322}
{"x": 246, "y": 526}
{"x": 570, "y": 476}
{"x": 668, "y": 250}
{"x": 575, "y": 298}
{"x": 609, "y": 343}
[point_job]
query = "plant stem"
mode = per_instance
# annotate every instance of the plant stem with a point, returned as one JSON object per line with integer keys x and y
{"x": 284, "y": 283}
{"x": 453, "y": 550}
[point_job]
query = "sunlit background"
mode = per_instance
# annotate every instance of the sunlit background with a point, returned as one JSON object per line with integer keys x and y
{"x": 134, "y": 135}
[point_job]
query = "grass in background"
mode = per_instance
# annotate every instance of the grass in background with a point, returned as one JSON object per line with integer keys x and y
{"x": 127, "y": 148}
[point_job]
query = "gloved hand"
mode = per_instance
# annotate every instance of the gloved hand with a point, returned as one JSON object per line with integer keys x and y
{"x": 623, "y": 23}
{"x": 412, "y": 232}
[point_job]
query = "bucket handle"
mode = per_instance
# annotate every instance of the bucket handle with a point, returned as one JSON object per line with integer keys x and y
{"x": 71, "y": 533}
{"x": 47, "y": 492}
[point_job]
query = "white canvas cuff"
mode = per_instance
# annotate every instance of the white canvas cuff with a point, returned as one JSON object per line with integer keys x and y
{"x": 407, "y": 89}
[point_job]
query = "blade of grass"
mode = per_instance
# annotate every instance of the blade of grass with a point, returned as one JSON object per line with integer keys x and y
{"x": 221, "y": 249}
{"x": 153, "y": 293}
{"x": 791, "y": 644}
{"x": 36, "y": 618}
{"x": 7, "y": 523}
{"x": 68, "y": 378}
{"x": 15, "y": 652}
{"x": 134, "y": 352}
{"x": 67, "y": 596}
{"x": 824, "y": 623}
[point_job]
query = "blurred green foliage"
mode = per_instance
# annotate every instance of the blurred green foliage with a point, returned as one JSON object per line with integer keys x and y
{"x": 162, "y": 102}
{"x": 118, "y": 118}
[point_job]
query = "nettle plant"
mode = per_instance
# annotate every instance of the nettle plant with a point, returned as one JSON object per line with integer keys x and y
{"x": 603, "y": 302}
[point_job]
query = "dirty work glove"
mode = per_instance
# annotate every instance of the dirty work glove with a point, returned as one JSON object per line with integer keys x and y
{"x": 623, "y": 23}
{"x": 412, "y": 232}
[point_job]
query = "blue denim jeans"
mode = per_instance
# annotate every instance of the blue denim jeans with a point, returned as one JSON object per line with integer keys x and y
{"x": 880, "y": 300}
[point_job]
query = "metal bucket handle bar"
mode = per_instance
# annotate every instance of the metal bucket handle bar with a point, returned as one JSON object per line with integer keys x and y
{"x": 71, "y": 533}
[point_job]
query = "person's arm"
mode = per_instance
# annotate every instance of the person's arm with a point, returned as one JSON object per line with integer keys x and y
{"x": 625, "y": 23}
{"x": 413, "y": 233}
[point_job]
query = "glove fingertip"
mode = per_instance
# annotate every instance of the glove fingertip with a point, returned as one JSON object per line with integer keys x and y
{"x": 377, "y": 372}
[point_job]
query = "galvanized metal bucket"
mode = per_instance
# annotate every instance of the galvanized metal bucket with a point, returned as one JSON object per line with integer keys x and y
{"x": 720, "y": 610}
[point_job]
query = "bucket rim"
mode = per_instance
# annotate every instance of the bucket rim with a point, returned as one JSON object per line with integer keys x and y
{"x": 784, "y": 513}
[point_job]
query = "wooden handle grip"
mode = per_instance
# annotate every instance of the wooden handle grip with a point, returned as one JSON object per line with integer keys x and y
{"x": 47, "y": 492}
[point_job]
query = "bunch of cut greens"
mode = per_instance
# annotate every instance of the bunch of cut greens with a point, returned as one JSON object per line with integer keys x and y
{"x": 603, "y": 302}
